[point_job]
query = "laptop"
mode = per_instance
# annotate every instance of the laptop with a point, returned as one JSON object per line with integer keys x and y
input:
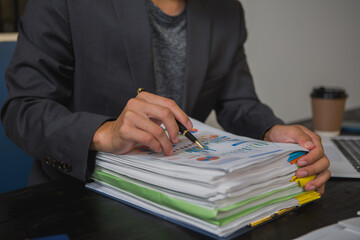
{"x": 343, "y": 153}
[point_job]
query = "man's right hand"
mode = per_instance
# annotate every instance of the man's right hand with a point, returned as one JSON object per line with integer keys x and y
{"x": 140, "y": 123}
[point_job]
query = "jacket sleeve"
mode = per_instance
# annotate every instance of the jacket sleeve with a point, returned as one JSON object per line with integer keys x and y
{"x": 238, "y": 109}
{"x": 37, "y": 114}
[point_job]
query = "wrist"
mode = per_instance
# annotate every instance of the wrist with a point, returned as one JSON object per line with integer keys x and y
{"x": 268, "y": 136}
{"x": 101, "y": 137}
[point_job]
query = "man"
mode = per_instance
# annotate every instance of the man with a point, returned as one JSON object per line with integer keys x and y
{"x": 74, "y": 74}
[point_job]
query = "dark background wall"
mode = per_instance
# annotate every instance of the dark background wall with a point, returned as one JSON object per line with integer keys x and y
{"x": 10, "y": 12}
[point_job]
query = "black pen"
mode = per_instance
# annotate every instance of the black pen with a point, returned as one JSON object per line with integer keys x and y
{"x": 186, "y": 133}
{"x": 183, "y": 130}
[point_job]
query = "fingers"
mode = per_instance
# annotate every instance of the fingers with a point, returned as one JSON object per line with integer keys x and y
{"x": 132, "y": 134}
{"x": 165, "y": 116}
{"x": 302, "y": 137}
{"x": 314, "y": 162}
{"x": 157, "y": 114}
{"x": 137, "y": 126}
{"x": 169, "y": 104}
{"x": 312, "y": 156}
{"x": 314, "y": 137}
{"x": 289, "y": 134}
{"x": 139, "y": 129}
{"x": 140, "y": 122}
{"x": 318, "y": 166}
{"x": 318, "y": 183}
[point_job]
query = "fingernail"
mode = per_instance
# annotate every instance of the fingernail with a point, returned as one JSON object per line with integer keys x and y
{"x": 312, "y": 187}
{"x": 309, "y": 145}
{"x": 301, "y": 173}
{"x": 176, "y": 140}
{"x": 301, "y": 163}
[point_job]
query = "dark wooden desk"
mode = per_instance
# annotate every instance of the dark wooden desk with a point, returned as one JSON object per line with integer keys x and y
{"x": 68, "y": 208}
{"x": 58, "y": 208}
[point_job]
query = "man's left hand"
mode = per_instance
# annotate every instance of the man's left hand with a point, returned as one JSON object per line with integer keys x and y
{"x": 315, "y": 162}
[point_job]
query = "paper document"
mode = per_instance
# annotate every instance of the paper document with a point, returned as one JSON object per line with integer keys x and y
{"x": 233, "y": 183}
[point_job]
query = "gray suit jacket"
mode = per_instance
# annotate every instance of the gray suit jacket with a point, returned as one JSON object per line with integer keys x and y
{"x": 77, "y": 63}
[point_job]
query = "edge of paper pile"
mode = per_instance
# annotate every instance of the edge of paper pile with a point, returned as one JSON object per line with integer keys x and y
{"x": 203, "y": 213}
{"x": 233, "y": 235}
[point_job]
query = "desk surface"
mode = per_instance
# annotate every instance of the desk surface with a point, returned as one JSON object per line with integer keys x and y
{"x": 68, "y": 208}
{"x": 58, "y": 208}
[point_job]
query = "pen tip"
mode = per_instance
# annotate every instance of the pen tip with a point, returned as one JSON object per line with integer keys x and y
{"x": 197, "y": 143}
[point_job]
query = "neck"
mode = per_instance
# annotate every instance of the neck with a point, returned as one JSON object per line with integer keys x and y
{"x": 170, "y": 7}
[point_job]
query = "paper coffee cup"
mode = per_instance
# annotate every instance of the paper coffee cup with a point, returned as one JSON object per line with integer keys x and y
{"x": 328, "y": 105}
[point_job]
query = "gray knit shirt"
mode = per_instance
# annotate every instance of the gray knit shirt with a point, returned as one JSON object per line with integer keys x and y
{"x": 168, "y": 35}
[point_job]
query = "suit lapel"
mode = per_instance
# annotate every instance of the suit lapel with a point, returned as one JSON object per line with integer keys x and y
{"x": 198, "y": 47}
{"x": 133, "y": 19}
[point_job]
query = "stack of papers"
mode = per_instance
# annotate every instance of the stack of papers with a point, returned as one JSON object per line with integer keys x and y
{"x": 234, "y": 184}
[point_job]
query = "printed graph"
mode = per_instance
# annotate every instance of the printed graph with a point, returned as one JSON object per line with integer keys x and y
{"x": 217, "y": 148}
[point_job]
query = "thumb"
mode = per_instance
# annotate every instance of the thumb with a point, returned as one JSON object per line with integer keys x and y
{"x": 303, "y": 139}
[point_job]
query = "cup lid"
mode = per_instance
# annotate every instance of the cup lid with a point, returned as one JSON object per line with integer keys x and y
{"x": 329, "y": 93}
